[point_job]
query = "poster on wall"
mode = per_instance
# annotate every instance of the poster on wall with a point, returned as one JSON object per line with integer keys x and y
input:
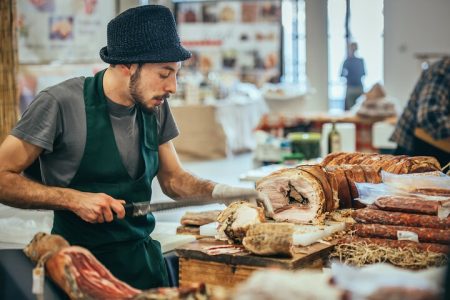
{"x": 62, "y": 31}
{"x": 243, "y": 37}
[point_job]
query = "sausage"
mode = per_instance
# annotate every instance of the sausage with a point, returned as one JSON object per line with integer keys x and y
{"x": 433, "y": 235}
{"x": 408, "y": 204}
{"x": 431, "y": 247}
{"x": 375, "y": 216}
{"x": 433, "y": 192}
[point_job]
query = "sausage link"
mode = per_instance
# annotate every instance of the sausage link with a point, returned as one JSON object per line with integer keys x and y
{"x": 376, "y": 216}
{"x": 433, "y": 235}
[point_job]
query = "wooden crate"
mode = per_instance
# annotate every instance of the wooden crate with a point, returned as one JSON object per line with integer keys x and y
{"x": 227, "y": 270}
{"x": 194, "y": 271}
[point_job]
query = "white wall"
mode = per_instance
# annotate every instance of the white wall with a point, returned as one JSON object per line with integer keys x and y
{"x": 317, "y": 53}
{"x": 412, "y": 26}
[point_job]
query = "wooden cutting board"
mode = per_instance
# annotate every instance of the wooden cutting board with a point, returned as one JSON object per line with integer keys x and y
{"x": 303, "y": 256}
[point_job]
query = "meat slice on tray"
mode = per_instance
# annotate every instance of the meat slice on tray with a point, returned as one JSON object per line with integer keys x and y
{"x": 300, "y": 195}
{"x": 270, "y": 239}
{"x": 235, "y": 220}
{"x": 76, "y": 270}
{"x": 199, "y": 218}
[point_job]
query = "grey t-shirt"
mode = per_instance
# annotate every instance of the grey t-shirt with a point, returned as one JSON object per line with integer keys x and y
{"x": 56, "y": 122}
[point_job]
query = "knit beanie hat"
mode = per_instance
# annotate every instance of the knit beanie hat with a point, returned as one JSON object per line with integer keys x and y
{"x": 144, "y": 34}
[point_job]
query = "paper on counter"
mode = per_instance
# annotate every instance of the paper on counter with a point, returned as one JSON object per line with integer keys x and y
{"x": 306, "y": 235}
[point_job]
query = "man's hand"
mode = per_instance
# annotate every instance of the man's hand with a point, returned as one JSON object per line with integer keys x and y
{"x": 223, "y": 191}
{"x": 97, "y": 207}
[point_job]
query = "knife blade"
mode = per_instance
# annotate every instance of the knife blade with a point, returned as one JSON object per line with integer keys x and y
{"x": 137, "y": 209}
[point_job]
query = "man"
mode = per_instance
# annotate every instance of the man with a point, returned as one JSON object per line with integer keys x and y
{"x": 424, "y": 126}
{"x": 100, "y": 142}
{"x": 353, "y": 70}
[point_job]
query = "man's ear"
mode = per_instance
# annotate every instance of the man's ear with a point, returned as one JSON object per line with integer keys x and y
{"x": 125, "y": 69}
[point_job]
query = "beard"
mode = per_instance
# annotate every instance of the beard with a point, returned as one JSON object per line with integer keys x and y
{"x": 136, "y": 93}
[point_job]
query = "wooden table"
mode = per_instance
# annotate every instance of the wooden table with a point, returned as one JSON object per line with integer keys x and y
{"x": 229, "y": 269}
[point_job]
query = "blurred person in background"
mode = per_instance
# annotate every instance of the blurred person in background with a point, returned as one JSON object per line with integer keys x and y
{"x": 424, "y": 126}
{"x": 353, "y": 70}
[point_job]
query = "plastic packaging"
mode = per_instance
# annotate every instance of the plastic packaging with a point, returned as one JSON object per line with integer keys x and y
{"x": 417, "y": 181}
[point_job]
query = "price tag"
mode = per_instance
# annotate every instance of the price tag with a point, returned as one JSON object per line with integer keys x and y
{"x": 443, "y": 212}
{"x": 407, "y": 236}
{"x": 38, "y": 281}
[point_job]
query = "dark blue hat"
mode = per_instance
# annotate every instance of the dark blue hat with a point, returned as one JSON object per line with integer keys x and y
{"x": 144, "y": 34}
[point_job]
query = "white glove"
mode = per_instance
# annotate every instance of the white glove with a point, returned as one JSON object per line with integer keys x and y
{"x": 224, "y": 191}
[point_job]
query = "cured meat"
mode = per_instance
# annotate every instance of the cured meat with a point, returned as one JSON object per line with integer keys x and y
{"x": 76, "y": 270}
{"x": 399, "y": 292}
{"x": 433, "y": 192}
{"x": 409, "y": 204}
{"x": 432, "y": 235}
{"x": 270, "y": 239}
{"x": 393, "y": 164}
{"x": 431, "y": 247}
{"x": 344, "y": 196}
{"x": 199, "y": 218}
{"x": 300, "y": 195}
{"x": 375, "y": 216}
{"x": 235, "y": 220}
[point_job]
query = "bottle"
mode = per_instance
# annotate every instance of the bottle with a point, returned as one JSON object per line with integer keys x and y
{"x": 334, "y": 140}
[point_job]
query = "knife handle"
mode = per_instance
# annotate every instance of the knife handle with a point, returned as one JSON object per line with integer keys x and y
{"x": 129, "y": 209}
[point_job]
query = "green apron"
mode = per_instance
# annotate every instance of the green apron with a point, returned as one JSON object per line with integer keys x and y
{"x": 123, "y": 246}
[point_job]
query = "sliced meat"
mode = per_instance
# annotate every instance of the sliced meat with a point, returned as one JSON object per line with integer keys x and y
{"x": 390, "y": 163}
{"x": 297, "y": 196}
{"x": 270, "y": 239}
{"x": 432, "y": 235}
{"x": 199, "y": 218}
{"x": 408, "y": 204}
{"x": 375, "y": 216}
{"x": 431, "y": 247}
{"x": 330, "y": 158}
{"x": 372, "y": 174}
{"x": 345, "y": 198}
{"x": 317, "y": 172}
{"x": 235, "y": 220}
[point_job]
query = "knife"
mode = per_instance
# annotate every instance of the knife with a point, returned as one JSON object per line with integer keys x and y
{"x": 137, "y": 209}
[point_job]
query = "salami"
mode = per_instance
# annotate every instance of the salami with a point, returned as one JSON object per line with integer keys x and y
{"x": 376, "y": 216}
{"x": 408, "y": 205}
{"x": 431, "y": 247}
{"x": 433, "y": 235}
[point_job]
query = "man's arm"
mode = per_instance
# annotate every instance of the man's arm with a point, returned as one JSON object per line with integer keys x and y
{"x": 177, "y": 182}
{"x": 17, "y": 191}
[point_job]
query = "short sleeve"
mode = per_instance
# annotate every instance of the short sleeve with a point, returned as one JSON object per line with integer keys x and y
{"x": 41, "y": 123}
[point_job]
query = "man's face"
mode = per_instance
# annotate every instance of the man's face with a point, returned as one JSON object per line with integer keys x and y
{"x": 151, "y": 84}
